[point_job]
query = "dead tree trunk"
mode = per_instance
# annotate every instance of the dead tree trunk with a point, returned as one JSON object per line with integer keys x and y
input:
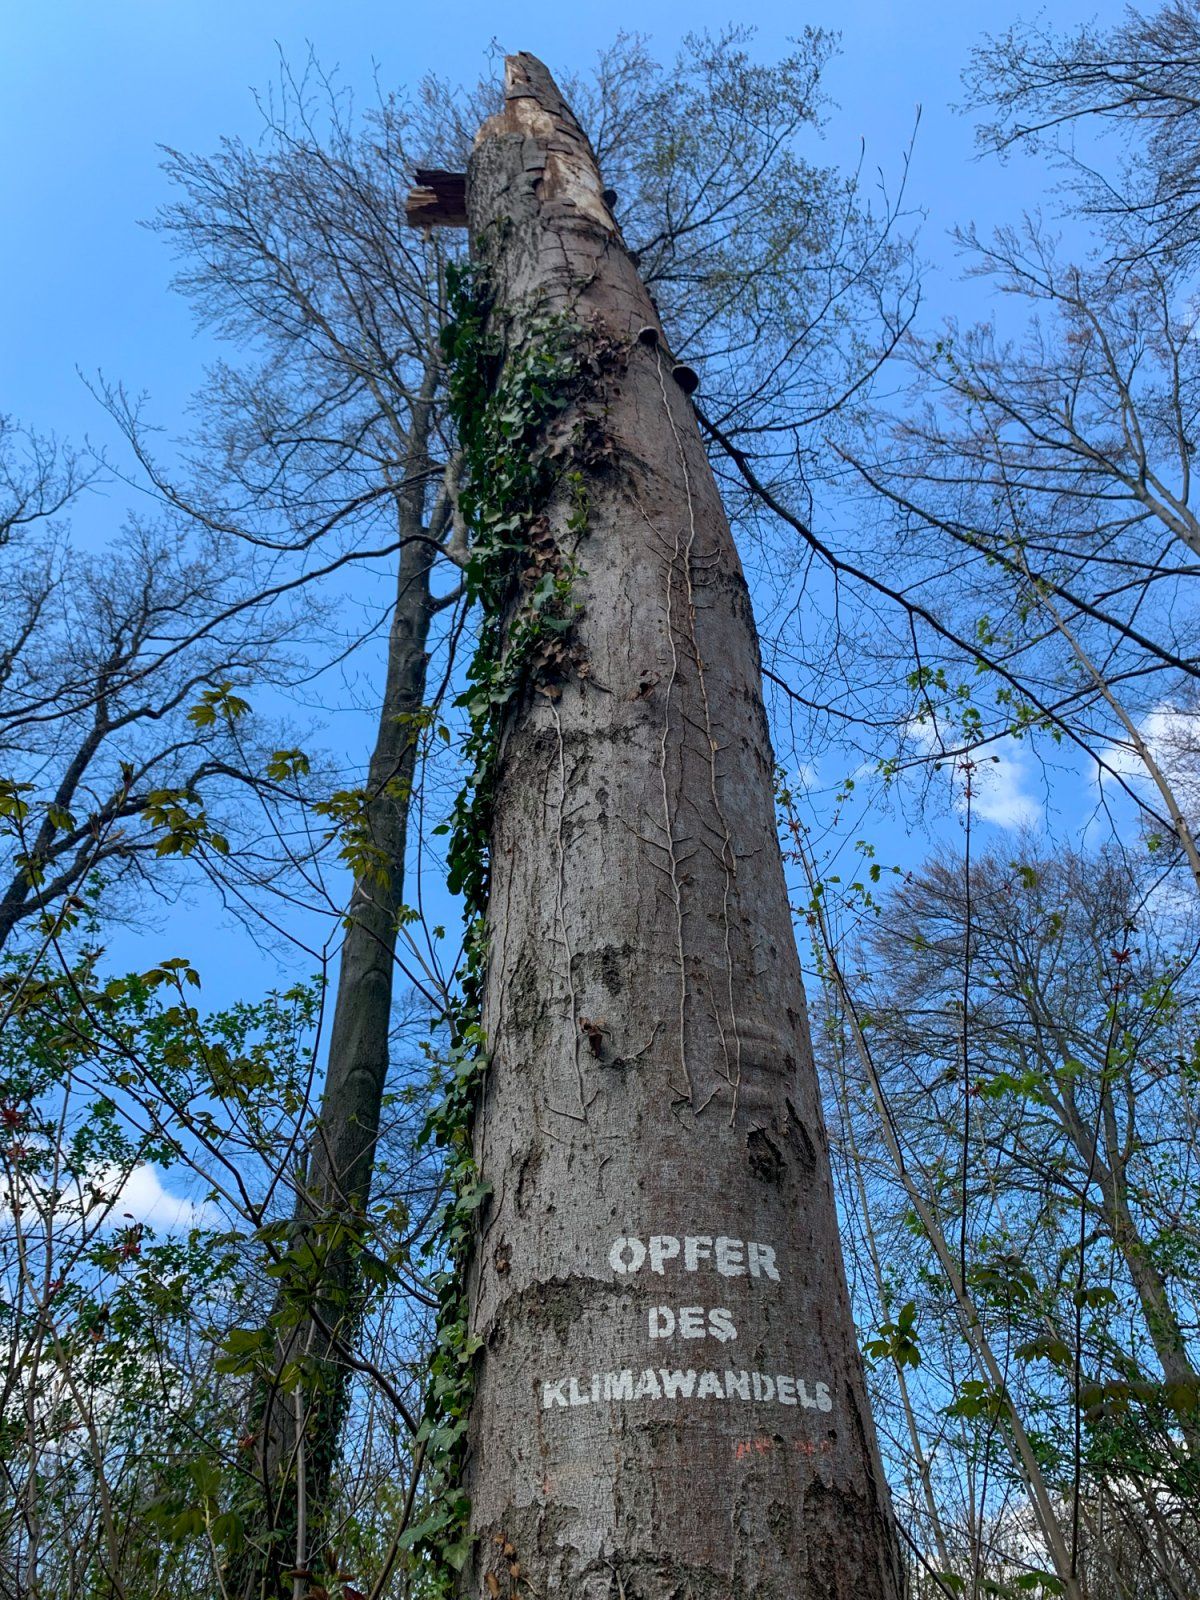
{"x": 669, "y": 1399}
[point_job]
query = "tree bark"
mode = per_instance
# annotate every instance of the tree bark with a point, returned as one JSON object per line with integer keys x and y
{"x": 669, "y": 1395}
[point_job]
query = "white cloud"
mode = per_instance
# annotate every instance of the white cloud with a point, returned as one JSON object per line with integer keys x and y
{"x": 999, "y": 790}
{"x": 1171, "y": 736}
{"x": 1001, "y": 777}
{"x": 114, "y": 1198}
{"x": 145, "y": 1199}
{"x": 807, "y": 776}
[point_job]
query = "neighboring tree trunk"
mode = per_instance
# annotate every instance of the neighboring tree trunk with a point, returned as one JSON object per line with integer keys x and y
{"x": 1105, "y": 1160}
{"x": 316, "y": 1312}
{"x": 669, "y": 1396}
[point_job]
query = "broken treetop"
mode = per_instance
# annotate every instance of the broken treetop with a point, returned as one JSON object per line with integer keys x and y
{"x": 533, "y": 106}
{"x": 558, "y": 151}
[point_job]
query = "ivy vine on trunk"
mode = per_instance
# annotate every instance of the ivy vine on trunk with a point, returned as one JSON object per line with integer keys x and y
{"x": 503, "y": 399}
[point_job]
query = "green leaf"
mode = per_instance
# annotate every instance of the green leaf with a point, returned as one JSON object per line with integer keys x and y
{"x": 419, "y": 1532}
{"x": 216, "y": 703}
{"x": 285, "y": 764}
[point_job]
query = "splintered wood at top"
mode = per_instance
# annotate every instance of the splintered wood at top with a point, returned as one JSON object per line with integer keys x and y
{"x": 437, "y": 199}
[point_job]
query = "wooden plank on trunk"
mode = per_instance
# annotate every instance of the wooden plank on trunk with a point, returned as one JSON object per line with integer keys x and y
{"x": 437, "y": 199}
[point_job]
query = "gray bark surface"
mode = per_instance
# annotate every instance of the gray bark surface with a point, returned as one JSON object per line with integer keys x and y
{"x": 651, "y": 1074}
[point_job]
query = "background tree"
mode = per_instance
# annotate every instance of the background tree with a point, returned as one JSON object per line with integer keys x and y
{"x": 1040, "y": 477}
{"x": 1138, "y": 83}
{"x": 115, "y": 666}
{"x": 118, "y": 1427}
{"x": 1028, "y": 1260}
{"x": 1032, "y": 579}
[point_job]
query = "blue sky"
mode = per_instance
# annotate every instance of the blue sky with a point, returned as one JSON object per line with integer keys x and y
{"x": 88, "y": 92}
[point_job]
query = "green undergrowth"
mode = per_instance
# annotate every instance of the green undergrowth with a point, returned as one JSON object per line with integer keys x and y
{"x": 506, "y": 387}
